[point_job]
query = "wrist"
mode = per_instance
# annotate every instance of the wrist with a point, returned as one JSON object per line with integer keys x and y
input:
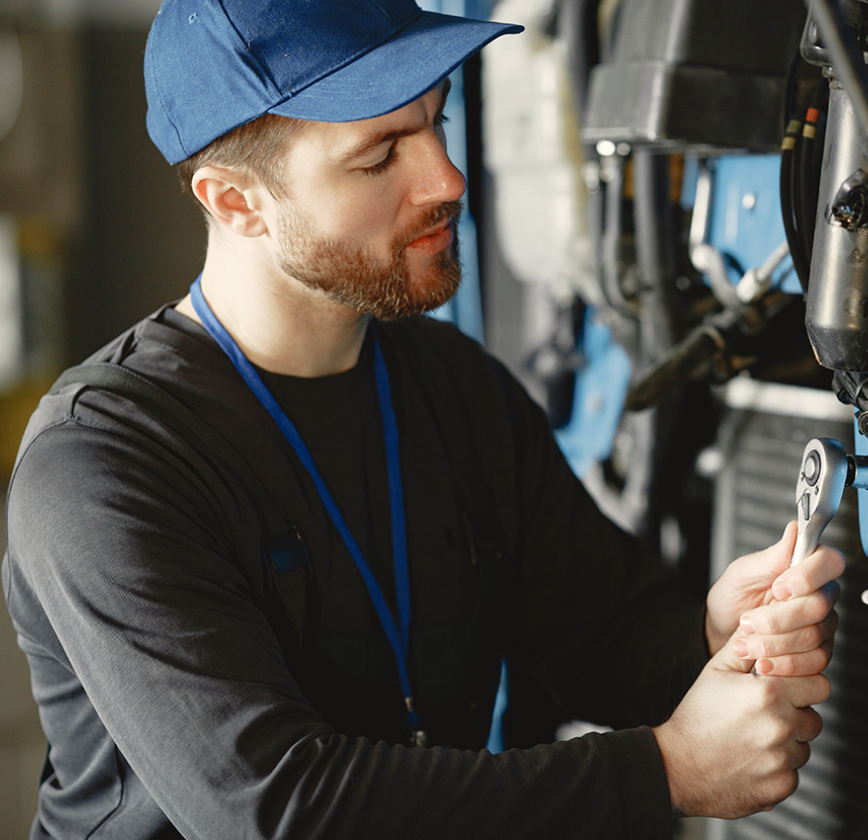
{"x": 669, "y": 742}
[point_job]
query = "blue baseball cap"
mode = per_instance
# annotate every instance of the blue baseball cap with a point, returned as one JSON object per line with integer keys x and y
{"x": 213, "y": 65}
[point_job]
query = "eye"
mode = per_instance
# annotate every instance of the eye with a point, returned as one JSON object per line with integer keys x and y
{"x": 386, "y": 163}
{"x": 440, "y": 120}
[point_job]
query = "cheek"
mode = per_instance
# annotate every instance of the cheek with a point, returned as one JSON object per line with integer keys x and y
{"x": 363, "y": 211}
{"x": 368, "y": 212}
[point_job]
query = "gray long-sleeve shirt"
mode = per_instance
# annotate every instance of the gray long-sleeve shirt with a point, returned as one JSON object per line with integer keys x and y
{"x": 134, "y": 579}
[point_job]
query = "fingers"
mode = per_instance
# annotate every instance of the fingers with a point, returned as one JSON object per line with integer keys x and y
{"x": 762, "y": 596}
{"x": 793, "y": 634}
{"x": 779, "y": 617}
{"x": 760, "y": 569}
{"x": 811, "y": 727}
{"x": 802, "y": 693}
{"x": 728, "y": 658}
{"x": 807, "y": 650}
{"x": 736, "y": 742}
{"x": 824, "y": 565}
{"x": 745, "y": 584}
{"x": 794, "y": 665}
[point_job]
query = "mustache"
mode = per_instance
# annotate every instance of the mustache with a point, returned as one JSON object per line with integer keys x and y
{"x": 431, "y": 218}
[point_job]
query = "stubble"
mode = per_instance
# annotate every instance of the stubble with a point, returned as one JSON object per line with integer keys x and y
{"x": 349, "y": 273}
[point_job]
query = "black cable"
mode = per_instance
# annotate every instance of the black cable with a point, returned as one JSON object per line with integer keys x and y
{"x": 794, "y": 240}
{"x": 850, "y": 388}
{"x": 800, "y": 210}
{"x": 807, "y": 173}
{"x": 790, "y": 103}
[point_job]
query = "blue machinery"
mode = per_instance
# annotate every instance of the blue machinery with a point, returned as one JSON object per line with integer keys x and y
{"x": 719, "y": 313}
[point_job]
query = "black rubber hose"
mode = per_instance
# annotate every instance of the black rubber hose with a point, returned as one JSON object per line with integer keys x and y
{"x": 793, "y": 235}
{"x": 809, "y": 153}
{"x": 686, "y": 360}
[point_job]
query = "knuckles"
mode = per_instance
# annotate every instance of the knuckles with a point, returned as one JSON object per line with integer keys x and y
{"x": 770, "y": 693}
{"x": 778, "y": 732}
{"x": 781, "y": 617}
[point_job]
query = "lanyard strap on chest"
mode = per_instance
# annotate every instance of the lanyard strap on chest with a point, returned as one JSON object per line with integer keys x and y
{"x": 397, "y": 632}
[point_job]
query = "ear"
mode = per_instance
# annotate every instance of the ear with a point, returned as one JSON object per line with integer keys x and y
{"x": 232, "y": 198}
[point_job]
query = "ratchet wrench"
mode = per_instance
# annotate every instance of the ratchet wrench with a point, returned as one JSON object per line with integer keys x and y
{"x": 826, "y": 470}
{"x": 822, "y": 478}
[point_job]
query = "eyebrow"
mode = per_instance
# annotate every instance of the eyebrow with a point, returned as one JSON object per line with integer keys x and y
{"x": 371, "y": 142}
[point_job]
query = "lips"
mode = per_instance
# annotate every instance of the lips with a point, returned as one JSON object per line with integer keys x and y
{"x": 434, "y": 239}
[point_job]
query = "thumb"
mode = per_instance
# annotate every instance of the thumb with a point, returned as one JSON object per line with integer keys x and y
{"x": 757, "y": 571}
{"x": 726, "y": 659}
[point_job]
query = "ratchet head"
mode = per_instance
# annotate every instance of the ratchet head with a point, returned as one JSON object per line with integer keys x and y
{"x": 821, "y": 483}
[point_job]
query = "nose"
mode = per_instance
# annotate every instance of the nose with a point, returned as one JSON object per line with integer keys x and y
{"x": 437, "y": 179}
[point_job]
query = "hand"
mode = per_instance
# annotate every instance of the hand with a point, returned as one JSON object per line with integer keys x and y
{"x": 736, "y": 741}
{"x": 785, "y": 615}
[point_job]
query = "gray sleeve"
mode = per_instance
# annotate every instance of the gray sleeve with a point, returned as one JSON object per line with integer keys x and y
{"x": 142, "y": 630}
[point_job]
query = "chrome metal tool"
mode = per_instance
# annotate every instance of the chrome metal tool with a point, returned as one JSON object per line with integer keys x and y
{"x": 826, "y": 470}
{"x": 822, "y": 478}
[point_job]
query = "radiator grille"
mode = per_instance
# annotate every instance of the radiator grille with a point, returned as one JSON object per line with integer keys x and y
{"x": 754, "y": 500}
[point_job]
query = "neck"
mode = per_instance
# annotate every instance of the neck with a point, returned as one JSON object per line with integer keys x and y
{"x": 280, "y": 324}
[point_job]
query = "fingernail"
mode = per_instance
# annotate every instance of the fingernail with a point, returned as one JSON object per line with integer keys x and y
{"x": 781, "y": 590}
{"x": 763, "y": 666}
{"x": 739, "y": 646}
{"x": 746, "y": 625}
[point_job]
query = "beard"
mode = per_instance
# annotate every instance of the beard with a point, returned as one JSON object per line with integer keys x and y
{"x": 349, "y": 273}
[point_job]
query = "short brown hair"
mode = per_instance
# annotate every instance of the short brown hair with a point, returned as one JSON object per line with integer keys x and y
{"x": 255, "y": 147}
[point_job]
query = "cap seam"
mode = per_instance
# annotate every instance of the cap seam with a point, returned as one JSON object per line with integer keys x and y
{"x": 349, "y": 61}
{"x": 286, "y": 96}
{"x": 249, "y": 49}
{"x": 384, "y": 13}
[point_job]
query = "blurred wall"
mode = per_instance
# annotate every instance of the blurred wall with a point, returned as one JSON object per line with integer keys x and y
{"x": 99, "y": 236}
{"x": 145, "y": 241}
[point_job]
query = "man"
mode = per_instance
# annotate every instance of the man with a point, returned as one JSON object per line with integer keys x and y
{"x": 190, "y": 681}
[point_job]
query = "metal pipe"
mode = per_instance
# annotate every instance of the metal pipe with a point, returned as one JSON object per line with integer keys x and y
{"x": 848, "y": 61}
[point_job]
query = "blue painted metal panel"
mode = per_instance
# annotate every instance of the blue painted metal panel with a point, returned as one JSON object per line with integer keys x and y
{"x": 601, "y": 386}
{"x": 861, "y": 448}
{"x": 746, "y": 222}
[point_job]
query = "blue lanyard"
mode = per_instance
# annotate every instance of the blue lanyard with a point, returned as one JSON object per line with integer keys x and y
{"x": 397, "y": 633}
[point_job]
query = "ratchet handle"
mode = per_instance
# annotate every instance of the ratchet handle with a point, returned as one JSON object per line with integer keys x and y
{"x": 809, "y": 537}
{"x": 821, "y": 483}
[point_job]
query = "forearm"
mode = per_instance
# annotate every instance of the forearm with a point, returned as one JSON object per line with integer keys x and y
{"x": 154, "y": 650}
{"x": 602, "y": 785}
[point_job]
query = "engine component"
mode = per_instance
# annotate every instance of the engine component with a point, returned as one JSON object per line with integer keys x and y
{"x": 695, "y": 74}
{"x": 837, "y": 314}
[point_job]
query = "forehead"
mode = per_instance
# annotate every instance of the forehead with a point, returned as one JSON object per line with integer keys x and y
{"x": 346, "y": 141}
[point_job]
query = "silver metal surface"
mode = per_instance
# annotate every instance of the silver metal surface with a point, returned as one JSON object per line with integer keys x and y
{"x": 821, "y": 481}
{"x": 837, "y": 314}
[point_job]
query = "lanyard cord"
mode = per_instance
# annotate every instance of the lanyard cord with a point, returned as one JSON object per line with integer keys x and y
{"x": 397, "y": 633}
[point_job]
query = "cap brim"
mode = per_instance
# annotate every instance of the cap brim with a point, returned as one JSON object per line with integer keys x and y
{"x": 396, "y": 72}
